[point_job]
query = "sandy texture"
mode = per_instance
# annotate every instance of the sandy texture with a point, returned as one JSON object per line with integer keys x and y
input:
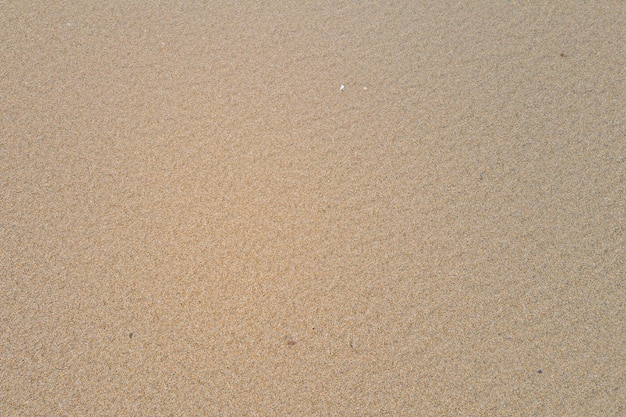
{"x": 196, "y": 221}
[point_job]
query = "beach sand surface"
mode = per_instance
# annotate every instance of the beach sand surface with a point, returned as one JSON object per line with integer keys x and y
{"x": 312, "y": 208}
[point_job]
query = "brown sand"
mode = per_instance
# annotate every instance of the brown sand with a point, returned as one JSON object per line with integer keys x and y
{"x": 196, "y": 221}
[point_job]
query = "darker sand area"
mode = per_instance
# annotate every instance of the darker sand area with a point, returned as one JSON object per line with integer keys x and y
{"x": 195, "y": 220}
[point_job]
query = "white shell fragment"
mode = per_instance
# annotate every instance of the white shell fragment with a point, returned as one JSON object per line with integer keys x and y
{"x": 341, "y": 87}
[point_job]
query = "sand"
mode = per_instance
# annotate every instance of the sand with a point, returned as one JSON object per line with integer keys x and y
{"x": 197, "y": 220}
